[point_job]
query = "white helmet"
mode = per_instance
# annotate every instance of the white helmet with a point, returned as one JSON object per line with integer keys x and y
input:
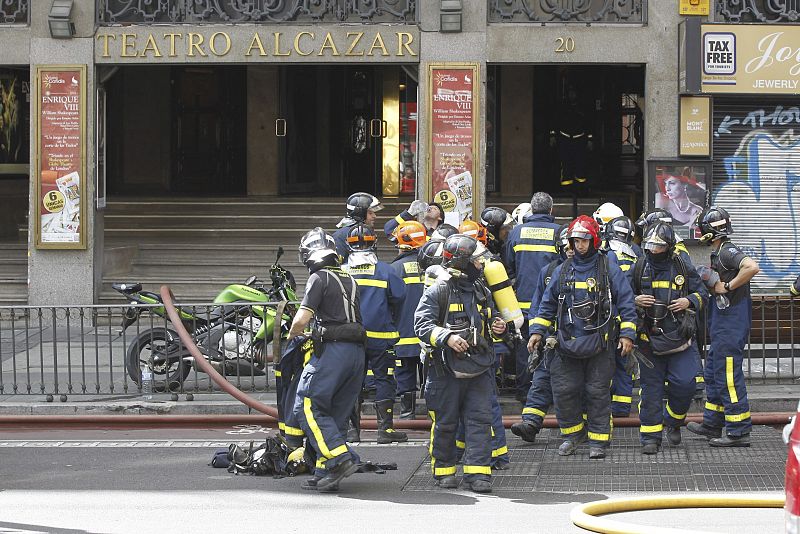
{"x": 606, "y": 212}
{"x": 521, "y": 211}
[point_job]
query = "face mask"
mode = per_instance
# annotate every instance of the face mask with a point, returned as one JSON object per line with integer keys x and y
{"x": 472, "y": 272}
{"x": 662, "y": 256}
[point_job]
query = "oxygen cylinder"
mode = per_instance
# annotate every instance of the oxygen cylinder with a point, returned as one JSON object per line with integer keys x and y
{"x": 503, "y": 293}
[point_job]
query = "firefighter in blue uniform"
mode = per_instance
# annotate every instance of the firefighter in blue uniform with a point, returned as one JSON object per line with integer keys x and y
{"x": 381, "y": 294}
{"x": 729, "y": 327}
{"x": 581, "y": 301}
{"x": 498, "y": 223}
{"x": 409, "y": 237}
{"x": 668, "y": 294}
{"x": 619, "y": 234}
{"x": 331, "y": 380}
{"x": 362, "y": 208}
{"x": 459, "y": 379}
{"x": 540, "y": 394}
{"x": 530, "y": 247}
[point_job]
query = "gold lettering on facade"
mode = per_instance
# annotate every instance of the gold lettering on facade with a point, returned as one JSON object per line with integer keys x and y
{"x": 195, "y": 42}
{"x": 128, "y": 41}
{"x": 106, "y": 37}
{"x": 150, "y": 46}
{"x": 172, "y": 37}
{"x": 212, "y": 44}
{"x": 277, "y": 51}
{"x": 328, "y": 43}
{"x": 354, "y": 43}
{"x": 404, "y": 41}
{"x": 256, "y": 43}
{"x": 375, "y": 44}
{"x": 297, "y": 43}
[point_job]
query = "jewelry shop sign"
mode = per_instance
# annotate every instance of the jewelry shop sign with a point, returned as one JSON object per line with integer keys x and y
{"x": 750, "y": 58}
{"x": 60, "y": 154}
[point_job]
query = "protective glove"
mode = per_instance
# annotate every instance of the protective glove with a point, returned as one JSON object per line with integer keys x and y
{"x": 708, "y": 276}
{"x": 631, "y": 365}
{"x": 533, "y": 360}
{"x": 417, "y": 207}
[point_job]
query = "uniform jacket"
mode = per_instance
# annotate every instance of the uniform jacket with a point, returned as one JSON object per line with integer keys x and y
{"x": 381, "y": 293}
{"x": 726, "y": 262}
{"x": 392, "y": 224}
{"x": 576, "y": 289}
{"x": 530, "y": 246}
{"x": 407, "y": 268}
{"x": 340, "y": 237}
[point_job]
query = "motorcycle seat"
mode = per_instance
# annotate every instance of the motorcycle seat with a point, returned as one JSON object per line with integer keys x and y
{"x": 126, "y": 287}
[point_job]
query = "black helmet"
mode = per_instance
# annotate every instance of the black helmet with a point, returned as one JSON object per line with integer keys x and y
{"x": 620, "y": 229}
{"x": 659, "y": 234}
{"x": 358, "y": 204}
{"x": 563, "y": 244}
{"x": 443, "y": 232}
{"x": 317, "y": 250}
{"x": 648, "y": 219}
{"x": 430, "y": 254}
{"x": 362, "y": 238}
{"x": 460, "y": 250}
{"x": 494, "y": 219}
{"x": 714, "y": 223}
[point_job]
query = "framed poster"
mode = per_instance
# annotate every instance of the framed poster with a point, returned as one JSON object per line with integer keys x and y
{"x": 453, "y": 162}
{"x": 694, "y": 126}
{"x": 60, "y": 156}
{"x": 683, "y": 188}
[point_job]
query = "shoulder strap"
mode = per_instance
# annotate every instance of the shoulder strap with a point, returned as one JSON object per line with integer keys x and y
{"x": 350, "y": 310}
{"x": 638, "y": 271}
{"x": 562, "y": 278}
{"x": 551, "y": 268}
{"x": 444, "y": 302}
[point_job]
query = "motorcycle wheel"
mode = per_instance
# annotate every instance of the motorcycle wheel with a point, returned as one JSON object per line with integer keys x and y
{"x": 167, "y": 376}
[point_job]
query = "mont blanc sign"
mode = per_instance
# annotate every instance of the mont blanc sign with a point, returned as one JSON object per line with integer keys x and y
{"x": 745, "y": 58}
{"x": 249, "y": 43}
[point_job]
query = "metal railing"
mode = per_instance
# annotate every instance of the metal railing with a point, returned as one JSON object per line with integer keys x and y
{"x": 82, "y": 350}
{"x": 765, "y": 11}
{"x": 270, "y": 11}
{"x": 14, "y": 11}
{"x": 576, "y": 11}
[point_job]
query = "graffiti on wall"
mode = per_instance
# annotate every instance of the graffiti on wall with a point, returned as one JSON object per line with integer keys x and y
{"x": 761, "y": 190}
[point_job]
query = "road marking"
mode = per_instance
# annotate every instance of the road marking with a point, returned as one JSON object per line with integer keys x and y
{"x": 149, "y": 444}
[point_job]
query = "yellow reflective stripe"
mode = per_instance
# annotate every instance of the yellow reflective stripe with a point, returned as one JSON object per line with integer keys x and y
{"x": 621, "y": 398}
{"x": 382, "y": 335}
{"x": 542, "y": 322}
{"x": 320, "y": 463}
{"x": 412, "y": 280}
{"x": 533, "y": 411}
{"x": 435, "y": 333}
{"x": 461, "y": 444}
{"x": 699, "y": 379}
{"x": 665, "y": 284}
{"x": 738, "y": 417}
{"x": 390, "y": 372}
{"x": 675, "y": 415}
{"x": 492, "y": 429}
{"x": 581, "y": 285}
{"x": 370, "y": 372}
{"x": 627, "y": 324}
{"x": 524, "y": 305}
{"x": 399, "y": 219}
{"x": 291, "y": 431}
{"x": 457, "y": 306}
{"x": 281, "y": 425}
{"x": 644, "y": 337}
{"x": 372, "y": 283}
{"x": 644, "y": 429}
{"x": 477, "y": 470}
{"x": 599, "y": 437}
{"x": 625, "y": 267}
{"x": 681, "y": 247}
{"x": 714, "y": 407}
{"x": 699, "y": 301}
{"x": 500, "y": 452}
{"x": 534, "y": 248}
{"x": 573, "y": 429}
{"x": 729, "y": 379}
{"x": 432, "y": 415}
{"x": 318, "y": 437}
{"x": 278, "y": 374}
{"x": 444, "y": 471}
{"x": 408, "y": 341}
{"x": 398, "y": 363}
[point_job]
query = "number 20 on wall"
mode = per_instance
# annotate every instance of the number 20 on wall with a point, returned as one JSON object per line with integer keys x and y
{"x": 565, "y": 44}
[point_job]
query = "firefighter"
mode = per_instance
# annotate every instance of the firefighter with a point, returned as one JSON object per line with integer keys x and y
{"x": 331, "y": 380}
{"x": 381, "y": 293}
{"x": 530, "y": 247}
{"x": 605, "y": 213}
{"x": 668, "y": 294}
{"x": 362, "y": 208}
{"x": 499, "y": 224}
{"x": 581, "y": 301}
{"x": 729, "y": 327}
{"x": 409, "y": 237}
{"x": 540, "y": 394}
{"x": 455, "y": 315}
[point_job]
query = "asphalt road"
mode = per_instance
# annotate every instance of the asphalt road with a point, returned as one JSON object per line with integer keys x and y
{"x": 140, "y": 480}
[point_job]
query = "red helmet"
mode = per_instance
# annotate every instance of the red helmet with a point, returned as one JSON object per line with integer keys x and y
{"x": 473, "y": 229}
{"x": 584, "y": 227}
{"x": 411, "y": 235}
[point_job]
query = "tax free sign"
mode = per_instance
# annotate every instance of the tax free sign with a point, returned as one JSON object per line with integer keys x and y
{"x": 743, "y": 58}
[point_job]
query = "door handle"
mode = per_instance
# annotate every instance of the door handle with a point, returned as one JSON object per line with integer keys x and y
{"x": 375, "y": 128}
{"x": 384, "y": 128}
{"x": 280, "y": 127}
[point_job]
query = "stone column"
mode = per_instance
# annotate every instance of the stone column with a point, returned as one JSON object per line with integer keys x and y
{"x": 65, "y": 276}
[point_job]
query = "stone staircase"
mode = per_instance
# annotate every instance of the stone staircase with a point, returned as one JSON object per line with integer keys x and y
{"x": 13, "y": 273}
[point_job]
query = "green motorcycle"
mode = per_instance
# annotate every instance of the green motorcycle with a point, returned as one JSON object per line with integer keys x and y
{"x": 233, "y": 334}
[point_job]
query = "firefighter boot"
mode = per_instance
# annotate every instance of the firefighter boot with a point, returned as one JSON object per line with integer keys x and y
{"x": 386, "y": 432}
{"x": 354, "y": 428}
{"x": 408, "y": 405}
